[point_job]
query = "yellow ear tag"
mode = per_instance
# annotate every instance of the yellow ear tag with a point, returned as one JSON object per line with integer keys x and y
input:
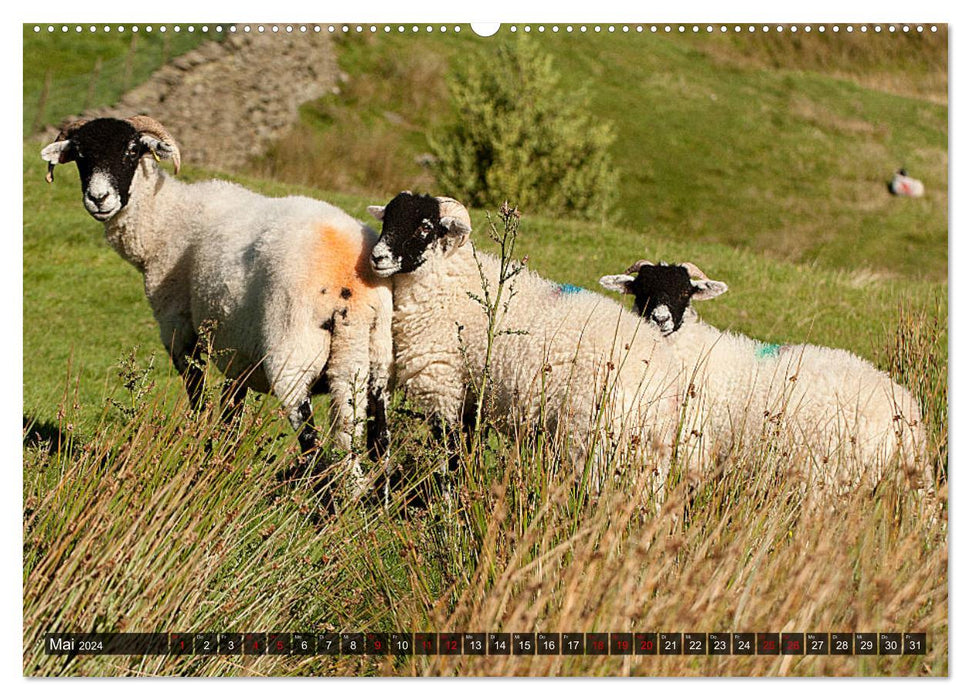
{"x": 155, "y": 155}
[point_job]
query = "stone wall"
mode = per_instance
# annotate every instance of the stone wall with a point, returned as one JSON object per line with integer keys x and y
{"x": 225, "y": 102}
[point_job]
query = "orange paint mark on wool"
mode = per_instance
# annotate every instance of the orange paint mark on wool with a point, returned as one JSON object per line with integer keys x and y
{"x": 340, "y": 264}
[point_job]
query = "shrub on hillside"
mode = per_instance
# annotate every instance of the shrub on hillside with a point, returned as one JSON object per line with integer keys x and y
{"x": 519, "y": 136}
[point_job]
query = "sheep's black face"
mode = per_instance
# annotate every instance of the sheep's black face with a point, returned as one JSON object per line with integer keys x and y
{"x": 412, "y": 225}
{"x": 106, "y": 152}
{"x": 409, "y": 225}
{"x": 662, "y": 293}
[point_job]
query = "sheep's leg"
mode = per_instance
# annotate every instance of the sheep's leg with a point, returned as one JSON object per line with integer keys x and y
{"x": 189, "y": 364}
{"x": 453, "y": 437}
{"x": 378, "y": 436}
{"x": 194, "y": 376}
{"x": 381, "y": 354}
{"x": 302, "y": 419}
{"x": 457, "y": 440}
{"x": 439, "y": 392}
{"x": 348, "y": 378}
{"x": 182, "y": 344}
{"x": 233, "y": 400}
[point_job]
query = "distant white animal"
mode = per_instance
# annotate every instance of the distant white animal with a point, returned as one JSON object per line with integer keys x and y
{"x": 903, "y": 185}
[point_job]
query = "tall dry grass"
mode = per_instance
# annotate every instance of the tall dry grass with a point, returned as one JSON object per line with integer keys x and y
{"x": 165, "y": 520}
{"x": 175, "y": 523}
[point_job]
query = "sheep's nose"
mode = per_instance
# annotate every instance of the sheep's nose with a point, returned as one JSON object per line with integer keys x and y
{"x": 97, "y": 198}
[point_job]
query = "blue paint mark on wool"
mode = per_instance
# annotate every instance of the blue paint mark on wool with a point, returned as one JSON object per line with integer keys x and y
{"x": 569, "y": 289}
{"x": 766, "y": 350}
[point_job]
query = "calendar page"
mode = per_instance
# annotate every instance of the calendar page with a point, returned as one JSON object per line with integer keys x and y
{"x": 526, "y": 349}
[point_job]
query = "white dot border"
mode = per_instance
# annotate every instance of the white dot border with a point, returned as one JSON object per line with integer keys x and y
{"x": 575, "y": 29}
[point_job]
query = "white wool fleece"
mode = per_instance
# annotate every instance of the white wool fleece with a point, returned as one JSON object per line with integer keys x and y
{"x": 580, "y": 352}
{"x": 843, "y": 410}
{"x": 285, "y": 280}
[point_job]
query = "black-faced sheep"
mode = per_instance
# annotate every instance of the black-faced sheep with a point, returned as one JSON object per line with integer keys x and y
{"x": 573, "y": 358}
{"x": 285, "y": 283}
{"x": 845, "y": 411}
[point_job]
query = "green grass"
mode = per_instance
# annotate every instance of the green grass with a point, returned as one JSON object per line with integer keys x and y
{"x": 69, "y": 62}
{"x": 779, "y": 150}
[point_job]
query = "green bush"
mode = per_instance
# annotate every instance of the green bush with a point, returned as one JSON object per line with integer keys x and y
{"x": 520, "y": 137}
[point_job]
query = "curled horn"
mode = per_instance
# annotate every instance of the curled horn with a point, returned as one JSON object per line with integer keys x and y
{"x": 635, "y": 268}
{"x": 64, "y": 134}
{"x": 694, "y": 271}
{"x": 147, "y": 125}
{"x": 450, "y": 207}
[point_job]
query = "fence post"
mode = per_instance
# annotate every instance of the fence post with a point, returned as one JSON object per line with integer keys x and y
{"x": 42, "y": 102}
{"x": 129, "y": 60}
{"x": 92, "y": 84}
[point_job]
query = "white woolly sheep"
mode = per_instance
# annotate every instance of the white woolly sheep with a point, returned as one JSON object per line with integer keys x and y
{"x": 559, "y": 353}
{"x": 285, "y": 283}
{"x": 845, "y": 411}
{"x": 902, "y": 185}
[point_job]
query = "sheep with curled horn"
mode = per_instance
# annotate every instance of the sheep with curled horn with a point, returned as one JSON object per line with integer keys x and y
{"x": 850, "y": 417}
{"x": 284, "y": 283}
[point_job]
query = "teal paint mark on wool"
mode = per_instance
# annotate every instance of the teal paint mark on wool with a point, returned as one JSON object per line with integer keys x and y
{"x": 766, "y": 350}
{"x": 570, "y": 289}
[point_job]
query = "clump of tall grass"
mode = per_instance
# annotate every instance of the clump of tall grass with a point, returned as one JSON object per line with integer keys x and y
{"x": 915, "y": 354}
{"x": 744, "y": 551}
{"x": 175, "y": 521}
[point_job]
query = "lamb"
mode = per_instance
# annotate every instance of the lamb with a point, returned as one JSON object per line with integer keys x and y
{"x": 562, "y": 358}
{"x": 284, "y": 283}
{"x": 833, "y": 402}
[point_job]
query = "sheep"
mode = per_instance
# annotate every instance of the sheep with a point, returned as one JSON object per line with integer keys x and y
{"x": 902, "y": 185}
{"x": 284, "y": 284}
{"x": 562, "y": 358}
{"x": 833, "y": 402}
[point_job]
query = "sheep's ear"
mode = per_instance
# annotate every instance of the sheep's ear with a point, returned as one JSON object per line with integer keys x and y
{"x": 457, "y": 232}
{"x": 58, "y": 152}
{"x": 618, "y": 283}
{"x": 157, "y": 147}
{"x": 707, "y": 289}
{"x": 55, "y": 154}
{"x": 377, "y": 211}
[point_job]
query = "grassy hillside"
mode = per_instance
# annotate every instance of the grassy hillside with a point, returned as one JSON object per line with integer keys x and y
{"x": 781, "y": 145}
{"x": 67, "y": 73}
